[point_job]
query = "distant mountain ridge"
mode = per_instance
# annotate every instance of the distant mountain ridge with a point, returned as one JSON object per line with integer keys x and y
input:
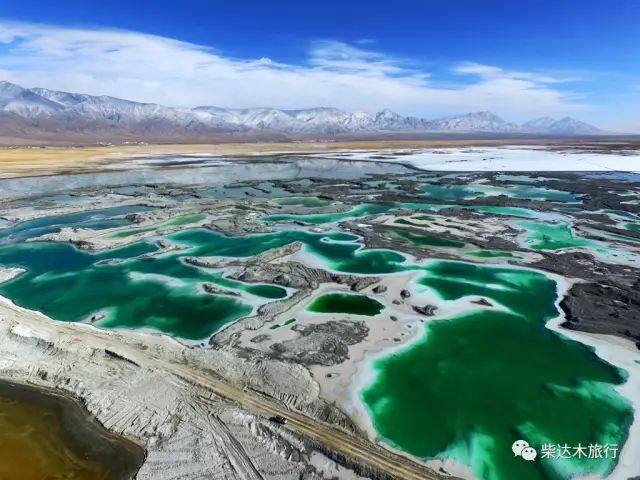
{"x": 39, "y": 112}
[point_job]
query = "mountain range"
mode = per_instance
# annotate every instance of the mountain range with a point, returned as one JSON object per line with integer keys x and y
{"x": 40, "y": 113}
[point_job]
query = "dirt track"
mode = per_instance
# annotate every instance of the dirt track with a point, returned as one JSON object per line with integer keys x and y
{"x": 128, "y": 347}
{"x": 357, "y": 449}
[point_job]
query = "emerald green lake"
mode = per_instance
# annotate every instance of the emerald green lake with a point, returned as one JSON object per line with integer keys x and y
{"x": 474, "y": 190}
{"x": 70, "y": 285}
{"x": 362, "y": 210}
{"x": 475, "y": 383}
{"x": 284, "y": 324}
{"x": 425, "y": 240}
{"x": 543, "y": 236}
{"x": 186, "y": 219}
{"x": 349, "y": 303}
{"x": 355, "y": 212}
{"x": 529, "y": 192}
{"x": 162, "y": 292}
{"x": 338, "y": 249}
{"x": 466, "y": 388}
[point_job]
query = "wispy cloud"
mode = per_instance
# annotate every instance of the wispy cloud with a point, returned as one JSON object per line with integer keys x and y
{"x": 490, "y": 72}
{"x": 343, "y": 58}
{"x": 157, "y": 69}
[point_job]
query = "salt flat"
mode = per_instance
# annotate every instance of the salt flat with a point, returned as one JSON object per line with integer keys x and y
{"x": 510, "y": 159}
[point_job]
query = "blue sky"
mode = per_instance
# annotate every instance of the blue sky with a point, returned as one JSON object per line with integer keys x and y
{"x": 521, "y": 59}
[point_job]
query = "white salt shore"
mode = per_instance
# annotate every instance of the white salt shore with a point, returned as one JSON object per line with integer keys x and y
{"x": 621, "y": 354}
{"x": 508, "y": 159}
{"x": 618, "y": 352}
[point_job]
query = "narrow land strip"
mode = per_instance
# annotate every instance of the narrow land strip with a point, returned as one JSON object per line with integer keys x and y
{"x": 21, "y": 161}
{"x": 359, "y": 450}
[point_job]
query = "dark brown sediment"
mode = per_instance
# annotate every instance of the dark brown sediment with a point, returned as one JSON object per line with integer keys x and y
{"x": 46, "y": 434}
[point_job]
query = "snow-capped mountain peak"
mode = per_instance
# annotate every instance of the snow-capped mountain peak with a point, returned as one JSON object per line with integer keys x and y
{"x": 44, "y": 110}
{"x": 571, "y": 126}
{"x": 539, "y": 124}
{"x": 475, "y": 122}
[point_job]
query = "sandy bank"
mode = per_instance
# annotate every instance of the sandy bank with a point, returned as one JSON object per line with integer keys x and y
{"x": 51, "y": 160}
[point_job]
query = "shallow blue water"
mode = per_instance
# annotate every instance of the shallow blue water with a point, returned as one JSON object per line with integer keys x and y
{"x": 95, "y": 219}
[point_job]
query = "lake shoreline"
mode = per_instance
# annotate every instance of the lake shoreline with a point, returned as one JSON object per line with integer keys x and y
{"x": 46, "y": 159}
{"x": 80, "y": 432}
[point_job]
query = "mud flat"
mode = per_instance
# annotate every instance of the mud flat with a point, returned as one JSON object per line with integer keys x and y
{"x": 47, "y": 435}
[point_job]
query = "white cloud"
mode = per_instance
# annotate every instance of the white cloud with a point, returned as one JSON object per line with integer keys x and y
{"x": 490, "y": 72}
{"x": 156, "y": 69}
{"x": 342, "y": 58}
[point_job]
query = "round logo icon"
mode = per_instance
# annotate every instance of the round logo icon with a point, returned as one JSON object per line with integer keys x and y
{"x": 521, "y": 448}
{"x": 518, "y": 446}
{"x": 529, "y": 454}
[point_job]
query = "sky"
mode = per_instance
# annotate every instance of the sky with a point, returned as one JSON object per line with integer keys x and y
{"x": 519, "y": 59}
